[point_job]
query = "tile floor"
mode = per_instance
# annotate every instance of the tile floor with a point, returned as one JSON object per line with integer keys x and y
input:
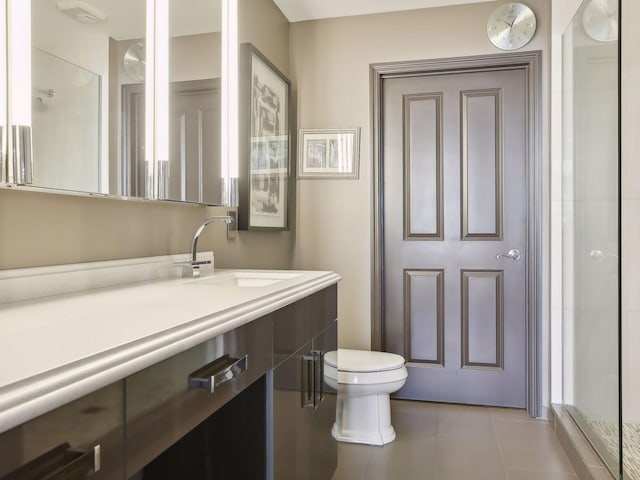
{"x": 447, "y": 442}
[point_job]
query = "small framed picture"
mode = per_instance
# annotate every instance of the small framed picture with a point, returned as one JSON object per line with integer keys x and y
{"x": 328, "y": 153}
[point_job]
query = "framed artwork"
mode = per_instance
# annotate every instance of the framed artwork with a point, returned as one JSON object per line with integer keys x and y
{"x": 264, "y": 126}
{"x": 328, "y": 153}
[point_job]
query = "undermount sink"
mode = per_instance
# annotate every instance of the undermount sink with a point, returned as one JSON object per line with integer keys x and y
{"x": 248, "y": 279}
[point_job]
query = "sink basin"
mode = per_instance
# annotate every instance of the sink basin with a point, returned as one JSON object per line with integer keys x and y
{"x": 248, "y": 279}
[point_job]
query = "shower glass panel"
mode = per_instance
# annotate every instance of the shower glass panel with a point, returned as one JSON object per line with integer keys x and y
{"x": 591, "y": 227}
{"x": 65, "y": 104}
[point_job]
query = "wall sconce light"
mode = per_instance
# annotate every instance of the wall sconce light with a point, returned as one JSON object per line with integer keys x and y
{"x": 20, "y": 160}
{"x": 157, "y": 100}
{"x": 229, "y": 103}
{"x": 3, "y": 91}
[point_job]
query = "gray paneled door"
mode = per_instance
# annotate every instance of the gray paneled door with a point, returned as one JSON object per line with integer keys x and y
{"x": 455, "y": 197}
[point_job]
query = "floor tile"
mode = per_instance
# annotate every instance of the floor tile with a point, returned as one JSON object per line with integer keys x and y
{"x": 477, "y": 458}
{"x": 455, "y": 442}
{"x": 402, "y": 460}
{"x": 464, "y": 421}
{"x": 530, "y": 445}
{"x": 352, "y": 461}
{"x": 516, "y": 474}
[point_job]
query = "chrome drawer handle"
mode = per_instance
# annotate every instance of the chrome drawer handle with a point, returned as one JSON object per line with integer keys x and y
{"x": 307, "y": 382}
{"x": 60, "y": 463}
{"x": 214, "y": 374}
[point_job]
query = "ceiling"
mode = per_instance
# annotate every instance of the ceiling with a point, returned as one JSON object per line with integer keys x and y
{"x": 299, "y": 10}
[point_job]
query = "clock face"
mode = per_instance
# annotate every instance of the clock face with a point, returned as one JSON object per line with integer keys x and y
{"x": 600, "y": 20}
{"x": 511, "y": 26}
{"x": 134, "y": 61}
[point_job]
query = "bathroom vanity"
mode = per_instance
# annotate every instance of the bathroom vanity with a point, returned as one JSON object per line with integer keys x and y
{"x": 222, "y": 372}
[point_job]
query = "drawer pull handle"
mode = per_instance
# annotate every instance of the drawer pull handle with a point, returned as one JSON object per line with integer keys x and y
{"x": 60, "y": 463}
{"x": 307, "y": 382}
{"x": 214, "y": 374}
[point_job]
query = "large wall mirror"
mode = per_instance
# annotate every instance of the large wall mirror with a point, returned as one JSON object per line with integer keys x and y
{"x": 88, "y": 99}
{"x": 88, "y": 110}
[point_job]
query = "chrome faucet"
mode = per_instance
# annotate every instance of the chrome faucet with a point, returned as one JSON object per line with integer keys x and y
{"x": 194, "y": 264}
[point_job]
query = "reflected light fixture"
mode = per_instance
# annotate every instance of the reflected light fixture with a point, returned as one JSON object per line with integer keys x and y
{"x": 3, "y": 90}
{"x": 81, "y": 11}
{"x": 20, "y": 161}
{"x": 229, "y": 103}
{"x": 157, "y": 100}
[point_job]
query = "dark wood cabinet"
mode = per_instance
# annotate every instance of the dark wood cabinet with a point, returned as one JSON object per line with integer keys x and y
{"x": 268, "y": 414}
{"x": 303, "y": 406}
{"x": 74, "y": 440}
{"x": 303, "y": 413}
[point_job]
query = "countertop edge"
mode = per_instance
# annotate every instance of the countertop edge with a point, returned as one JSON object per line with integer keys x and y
{"x": 27, "y": 399}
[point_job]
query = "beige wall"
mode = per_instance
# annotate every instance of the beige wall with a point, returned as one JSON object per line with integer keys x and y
{"x": 261, "y": 23}
{"x": 49, "y": 229}
{"x": 330, "y": 69}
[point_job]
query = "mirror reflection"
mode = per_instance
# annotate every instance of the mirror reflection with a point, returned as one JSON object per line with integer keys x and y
{"x": 194, "y": 101}
{"x": 88, "y": 98}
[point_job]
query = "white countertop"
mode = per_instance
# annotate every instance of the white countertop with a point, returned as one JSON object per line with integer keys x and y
{"x": 56, "y": 349}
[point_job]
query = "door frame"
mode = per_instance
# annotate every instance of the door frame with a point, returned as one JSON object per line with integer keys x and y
{"x": 530, "y": 63}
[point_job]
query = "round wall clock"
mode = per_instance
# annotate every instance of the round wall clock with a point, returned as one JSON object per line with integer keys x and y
{"x": 600, "y": 20}
{"x": 134, "y": 61}
{"x": 511, "y": 26}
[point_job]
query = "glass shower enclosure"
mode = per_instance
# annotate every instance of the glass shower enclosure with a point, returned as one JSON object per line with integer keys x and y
{"x": 591, "y": 232}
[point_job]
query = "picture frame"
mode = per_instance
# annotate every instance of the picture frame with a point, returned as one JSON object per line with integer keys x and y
{"x": 264, "y": 142}
{"x": 329, "y": 153}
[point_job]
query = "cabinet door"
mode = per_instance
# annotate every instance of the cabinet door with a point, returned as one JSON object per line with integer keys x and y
{"x": 71, "y": 433}
{"x": 325, "y": 450}
{"x": 292, "y": 421}
{"x": 303, "y": 413}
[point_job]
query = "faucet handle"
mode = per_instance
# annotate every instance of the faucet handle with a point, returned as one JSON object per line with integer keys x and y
{"x": 191, "y": 269}
{"x": 197, "y": 263}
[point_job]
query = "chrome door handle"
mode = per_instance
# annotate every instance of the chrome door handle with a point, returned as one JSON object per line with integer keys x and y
{"x": 513, "y": 254}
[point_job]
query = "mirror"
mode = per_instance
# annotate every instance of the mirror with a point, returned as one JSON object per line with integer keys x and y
{"x": 194, "y": 101}
{"x": 88, "y": 98}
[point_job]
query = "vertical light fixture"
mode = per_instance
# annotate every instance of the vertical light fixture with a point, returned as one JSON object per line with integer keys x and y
{"x": 149, "y": 101}
{"x": 229, "y": 103}
{"x": 20, "y": 161}
{"x": 3, "y": 91}
{"x": 157, "y": 100}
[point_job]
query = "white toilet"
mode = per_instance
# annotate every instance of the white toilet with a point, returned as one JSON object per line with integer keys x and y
{"x": 364, "y": 381}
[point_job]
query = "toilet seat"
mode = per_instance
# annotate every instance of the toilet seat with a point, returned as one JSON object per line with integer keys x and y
{"x": 359, "y": 367}
{"x": 363, "y": 361}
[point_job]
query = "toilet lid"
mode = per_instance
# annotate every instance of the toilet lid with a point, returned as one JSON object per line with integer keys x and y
{"x": 363, "y": 360}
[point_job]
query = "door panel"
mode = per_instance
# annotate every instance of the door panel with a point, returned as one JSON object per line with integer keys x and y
{"x": 481, "y": 165}
{"x": 424, "y": 316}
{"x": 423, "y": 166}
{"x": 454, "y": 198}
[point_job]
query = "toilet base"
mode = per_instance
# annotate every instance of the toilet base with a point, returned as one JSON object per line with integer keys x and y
{"x": 382, "y": 437}
{"x": 363, "y": 419}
